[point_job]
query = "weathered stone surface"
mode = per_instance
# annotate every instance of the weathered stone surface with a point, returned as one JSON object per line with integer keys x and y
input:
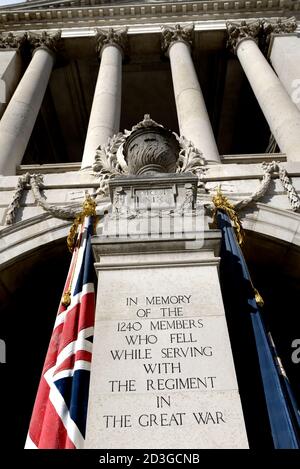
{"x": 19, "y": 118}
{"x": 10, "y": 72}
{"x": 161, "y": 354}
{"x": 192, "y": 114}
{"x": 285, "y": 58}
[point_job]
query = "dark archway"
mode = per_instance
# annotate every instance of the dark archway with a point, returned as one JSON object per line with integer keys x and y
{"x": 29, "y": 297}
{"x": 275, "y": 270}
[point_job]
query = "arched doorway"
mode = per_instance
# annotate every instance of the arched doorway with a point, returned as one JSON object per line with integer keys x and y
{"x": 29, "y": 297}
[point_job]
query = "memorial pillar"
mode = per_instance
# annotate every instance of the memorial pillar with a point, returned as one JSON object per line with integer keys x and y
{"x": 193, "y": 119}
{"x": 20, "y": 115}
{"x": 162, "y": 373}
{"x": 106, "y": 108}
{"x": 280, "y": 112}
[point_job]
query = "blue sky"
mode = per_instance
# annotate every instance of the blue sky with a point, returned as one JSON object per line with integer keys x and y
{"x": 8, "y": 2}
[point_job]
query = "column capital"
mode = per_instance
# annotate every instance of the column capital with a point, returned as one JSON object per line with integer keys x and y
{"x": 11, "y": 41}
{"x": 44, "y": 40}
{"x": 177, "y": 33}
{"x": 278, "y": 26}
{"x": 111, "y": 37}
{"x": 238, "y": 31}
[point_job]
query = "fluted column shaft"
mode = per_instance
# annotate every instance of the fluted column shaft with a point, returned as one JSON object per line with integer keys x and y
{"x": 193, "y": 119}
{"x": 20, "y": 115}
{"x": 105, "y": 114}
{"x": 280, "y": 112}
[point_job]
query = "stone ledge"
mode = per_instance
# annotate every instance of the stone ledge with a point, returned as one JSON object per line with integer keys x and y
{"x": 275, "y": 223}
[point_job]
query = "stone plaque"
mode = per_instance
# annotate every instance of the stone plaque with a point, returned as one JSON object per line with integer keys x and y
{"x": 162, "y": 370}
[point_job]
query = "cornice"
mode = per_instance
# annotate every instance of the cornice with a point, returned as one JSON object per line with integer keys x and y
{"x": 86, "y": 14}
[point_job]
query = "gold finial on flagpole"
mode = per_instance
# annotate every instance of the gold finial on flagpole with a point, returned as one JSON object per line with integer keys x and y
{"x": 66, "y": 298}
{"x": 222, "y": 203}
{"x": 258, "y": 298}
{"x": 88, "y": 210}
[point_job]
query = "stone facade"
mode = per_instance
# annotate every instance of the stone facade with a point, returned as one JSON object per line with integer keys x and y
{"x": 43, "y": 45}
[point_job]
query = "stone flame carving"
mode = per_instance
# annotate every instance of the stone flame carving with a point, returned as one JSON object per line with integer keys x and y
{"x": 172, "y": 34}
{"x": 117, "y": 37}
{"x": 240, "y": 30}
{"x": 147, "y": 147}
{"x": 150, "y": 148}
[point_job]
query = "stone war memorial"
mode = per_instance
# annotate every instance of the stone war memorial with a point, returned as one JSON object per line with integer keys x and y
{"x": 149, "y": 223}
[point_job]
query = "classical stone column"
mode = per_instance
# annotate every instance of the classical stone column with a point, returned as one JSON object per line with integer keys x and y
{"x": 106, "y": 109}
{"x": 284, "y": 55}
{"x": 280, "y": 112}
{"x": 10, "y": 67}
{"x": 19, "y": 118}
{"x": 192, "y": 114}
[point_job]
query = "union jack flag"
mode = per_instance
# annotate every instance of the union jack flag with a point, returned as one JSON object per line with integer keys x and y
{"x": 59, "y": 414}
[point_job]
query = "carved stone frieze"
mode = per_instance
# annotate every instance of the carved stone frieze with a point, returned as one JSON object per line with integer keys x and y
{"x": 175, "y": 34}
{"x": 116, "y": 37}
{"x": 153, "y": 197}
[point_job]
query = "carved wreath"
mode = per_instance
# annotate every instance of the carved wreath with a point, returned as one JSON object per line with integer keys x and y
{"x": 110, "y": 162}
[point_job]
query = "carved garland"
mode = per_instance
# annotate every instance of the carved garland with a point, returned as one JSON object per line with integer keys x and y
{"x": 15, "y": 203}
{"x": 35, "y": 182}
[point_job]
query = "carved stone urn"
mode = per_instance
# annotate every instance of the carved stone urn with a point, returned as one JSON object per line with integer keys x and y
{"x": 151, "y": 148}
